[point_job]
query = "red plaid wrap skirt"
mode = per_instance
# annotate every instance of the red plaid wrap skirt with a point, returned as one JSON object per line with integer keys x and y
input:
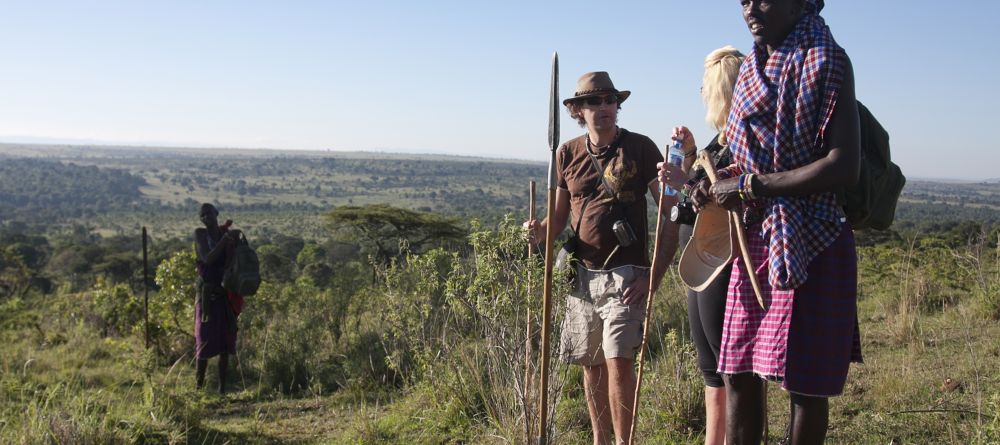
{"x": 808, "y": 336}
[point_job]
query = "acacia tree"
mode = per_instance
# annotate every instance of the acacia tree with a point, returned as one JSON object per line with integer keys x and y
{"x": 381, "y": 227}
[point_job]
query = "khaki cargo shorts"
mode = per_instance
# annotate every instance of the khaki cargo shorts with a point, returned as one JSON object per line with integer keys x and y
{"x": 598, "y": 326}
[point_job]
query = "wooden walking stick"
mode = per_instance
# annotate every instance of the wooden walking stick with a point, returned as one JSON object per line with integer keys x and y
{"x": 706, "y": 162}
{"x": 145, "y": 285}
{"x": 543, "y": 391}
{"x": 527, "y": 322}
{"x": 649, "y": 313}
{"x": 741, "y": 237}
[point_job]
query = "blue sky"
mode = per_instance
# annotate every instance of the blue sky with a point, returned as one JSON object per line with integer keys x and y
{"x": 459, "y": 77}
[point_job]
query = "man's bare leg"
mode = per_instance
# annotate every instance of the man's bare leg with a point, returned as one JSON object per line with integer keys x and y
{"x": 810, "y": 419}
{"x": 744, "y": 417}
{"x": 595, "y": 387}
{"x": 715, "y": 415}
{"x": 621, "y": 393}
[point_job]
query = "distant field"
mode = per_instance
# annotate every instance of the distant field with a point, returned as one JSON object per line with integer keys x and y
{"x": 277, "y": 185}
{"x": 970, "y": 194}
{"x": 292, "y": 188}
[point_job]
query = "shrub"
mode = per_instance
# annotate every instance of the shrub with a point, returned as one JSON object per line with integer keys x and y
{"x": 171, "y": 310}
{"x": 120, "y": 311}
{"x": 458, "y": 322}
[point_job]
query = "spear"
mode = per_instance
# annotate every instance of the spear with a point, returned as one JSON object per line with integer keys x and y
{"x": 543, "y": 393}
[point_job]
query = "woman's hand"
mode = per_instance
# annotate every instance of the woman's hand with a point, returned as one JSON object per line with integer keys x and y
{"x": 726, "y": 193}
{"x": 684, "y": 135}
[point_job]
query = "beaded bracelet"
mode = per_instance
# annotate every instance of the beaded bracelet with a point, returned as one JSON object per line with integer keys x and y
{"x": 749, "y": 187}
{"x": 739, "y": 188}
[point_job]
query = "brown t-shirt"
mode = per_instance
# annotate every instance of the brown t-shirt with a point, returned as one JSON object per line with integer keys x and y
{"x": 629, "y": 165}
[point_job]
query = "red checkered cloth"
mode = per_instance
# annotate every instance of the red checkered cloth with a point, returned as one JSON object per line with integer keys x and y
{"x": 781, "y": 107}
{"x": 808, "y": 336}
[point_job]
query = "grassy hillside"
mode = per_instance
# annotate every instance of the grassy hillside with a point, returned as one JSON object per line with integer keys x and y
{"x": 409, "y": 360}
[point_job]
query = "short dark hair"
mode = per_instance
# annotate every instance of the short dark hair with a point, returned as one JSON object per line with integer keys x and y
{"x": 206, "y": 206}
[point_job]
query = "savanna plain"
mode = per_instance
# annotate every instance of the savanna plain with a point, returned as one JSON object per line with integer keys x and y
{"x": 398, "y": 294}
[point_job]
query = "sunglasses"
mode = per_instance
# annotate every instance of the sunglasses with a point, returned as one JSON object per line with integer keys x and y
{"x": 598, "y": 100}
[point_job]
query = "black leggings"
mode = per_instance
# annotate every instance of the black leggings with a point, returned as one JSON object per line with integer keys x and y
{"x": 706, "y": 310}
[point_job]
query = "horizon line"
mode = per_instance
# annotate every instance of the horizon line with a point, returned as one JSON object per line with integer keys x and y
{"x": 84, "y": 143}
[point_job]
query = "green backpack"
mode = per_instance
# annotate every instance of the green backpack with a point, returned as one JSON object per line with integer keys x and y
{"x": 242, "y": 276}
{"x": 871, "y": 203}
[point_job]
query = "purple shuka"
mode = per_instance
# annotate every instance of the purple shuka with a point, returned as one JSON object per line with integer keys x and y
{"x": 215, "y": 326}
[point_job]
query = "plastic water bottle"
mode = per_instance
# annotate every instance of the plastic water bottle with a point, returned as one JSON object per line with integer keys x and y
{"x": 674, "y": 156}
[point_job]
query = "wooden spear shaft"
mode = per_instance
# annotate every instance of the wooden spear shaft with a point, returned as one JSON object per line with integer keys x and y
{"x": 543, "y": 384}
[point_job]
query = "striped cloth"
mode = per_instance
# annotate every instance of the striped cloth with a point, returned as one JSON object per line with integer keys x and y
{"x": 782, "y": 104}
{"x": 809, "y": 335}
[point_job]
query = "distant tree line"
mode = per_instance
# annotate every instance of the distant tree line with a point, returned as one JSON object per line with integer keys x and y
{"x": 39, "y": 190}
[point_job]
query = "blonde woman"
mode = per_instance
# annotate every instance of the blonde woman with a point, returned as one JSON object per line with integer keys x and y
{"x": 707, "y": 308}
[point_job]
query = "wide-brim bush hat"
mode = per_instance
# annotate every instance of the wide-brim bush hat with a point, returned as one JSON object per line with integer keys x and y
{"x": 597, "y": 83}
{"x": 710, "y": 249}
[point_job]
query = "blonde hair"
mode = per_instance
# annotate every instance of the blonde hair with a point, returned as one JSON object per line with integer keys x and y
{"x": 722, "y": 67}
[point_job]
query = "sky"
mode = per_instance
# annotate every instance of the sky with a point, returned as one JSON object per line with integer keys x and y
{"x": 462, "y": 77}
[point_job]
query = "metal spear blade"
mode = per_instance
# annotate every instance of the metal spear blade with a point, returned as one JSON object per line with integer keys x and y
{"x": 554, "y": 104}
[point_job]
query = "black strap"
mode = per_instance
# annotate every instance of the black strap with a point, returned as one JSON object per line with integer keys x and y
{"x": 600, "y": 174}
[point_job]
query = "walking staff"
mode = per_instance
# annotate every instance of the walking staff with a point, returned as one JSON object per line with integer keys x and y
{"x": 145, "y": 286}
{"x": 706, "y": 162}
{"x": 649, "y": 314}
{"x": 527, "y": 321}
{"x": 543, "y": 387}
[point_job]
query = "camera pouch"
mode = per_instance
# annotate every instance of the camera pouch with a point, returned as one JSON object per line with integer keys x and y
{"x": 566, "y": 259}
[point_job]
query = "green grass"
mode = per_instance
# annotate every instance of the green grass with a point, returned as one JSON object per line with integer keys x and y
{"x": 63, "y": 383}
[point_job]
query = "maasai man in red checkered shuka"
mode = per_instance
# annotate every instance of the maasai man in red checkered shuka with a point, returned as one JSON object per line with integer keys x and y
{"x": 793, "y": 131}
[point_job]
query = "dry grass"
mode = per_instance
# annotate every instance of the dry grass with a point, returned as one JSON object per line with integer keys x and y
{"x": 930, "y": 377}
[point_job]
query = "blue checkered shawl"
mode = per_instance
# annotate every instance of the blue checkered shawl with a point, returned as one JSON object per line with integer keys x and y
{"x": 781, "y": 107}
